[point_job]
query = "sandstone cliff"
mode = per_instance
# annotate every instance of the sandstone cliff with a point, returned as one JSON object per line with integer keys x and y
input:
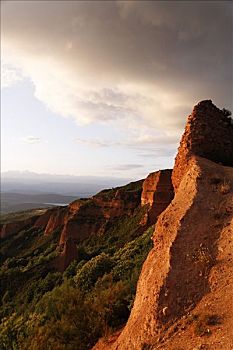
{"x": 208, "y": 134}
{"x": 192, "y": 253}
{"x": 91, "y": 216}
{"x": 157, "y": 193}
{"x": 185, "y": 290}
{"x": 87, "y": 217}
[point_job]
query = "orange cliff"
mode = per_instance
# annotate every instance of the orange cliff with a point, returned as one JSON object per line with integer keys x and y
{"x": 86, "y": 217}
{"x": 208, "y": 134}
{"x": 92, "y": 215}
{"x": 157, "y": 193}
{"x": 188, "y": 274}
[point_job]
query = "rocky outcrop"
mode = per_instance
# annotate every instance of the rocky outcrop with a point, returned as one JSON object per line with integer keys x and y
{"x": 157, "y": 193}
{"x": 208, "y": 134}
{"x": 91, "y": 217}
{"x": 68, "y": 254}
{"x": 193, "y": 248}
{"x": 85, "y": 217}
{"x": 88, "y": 220}
{"x": 178, "y": 273}
{"x": 57, "y": 218}
{"x": 43, "y": 220}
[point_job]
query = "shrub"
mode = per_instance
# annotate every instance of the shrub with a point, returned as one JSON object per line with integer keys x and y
{"x": 87, "y": 276}
{"x": 226, "y": 112}
{"x": 67, "y": 321}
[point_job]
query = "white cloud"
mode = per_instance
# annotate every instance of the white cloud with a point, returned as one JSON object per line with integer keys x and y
{"x": 126, "y": 167}
{"x": 96, "y": 143}
{"x": 10, "y": 75}
{"x": 31, "y": 139}
{"x": 140, "y": 141}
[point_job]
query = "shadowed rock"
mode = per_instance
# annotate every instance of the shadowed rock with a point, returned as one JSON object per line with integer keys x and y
{"x": 208, "y": 134}
{"x": 157, "y": 193}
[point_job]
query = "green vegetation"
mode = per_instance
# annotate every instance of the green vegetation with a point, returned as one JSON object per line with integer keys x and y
{"x": 45, "y": 309}
{"x": 135, "y": 186}
{"x": 20, "y": 216}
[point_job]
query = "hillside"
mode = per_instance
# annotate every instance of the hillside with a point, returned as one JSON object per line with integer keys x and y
{"x": 87, "y": 255}
{"x": 143, "y": 266}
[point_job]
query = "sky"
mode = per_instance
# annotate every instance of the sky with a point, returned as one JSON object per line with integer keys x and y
{"x": 105, "y": 87}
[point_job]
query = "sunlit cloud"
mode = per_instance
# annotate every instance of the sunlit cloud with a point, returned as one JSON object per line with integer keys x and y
{"x": 126, "y": 167}
{"x": 136, "y": 140}
{"x": 93, "y": 143}
{"x": 10, "y": 75}
{"x": 31, "y": 140}
{"x": 135, "y": 64}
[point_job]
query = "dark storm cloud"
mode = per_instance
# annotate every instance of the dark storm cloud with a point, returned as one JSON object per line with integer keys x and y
{"x": 144, "y": 61}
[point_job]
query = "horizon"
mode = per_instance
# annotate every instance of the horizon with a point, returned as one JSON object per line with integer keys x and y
{"x": 103, "y": 89}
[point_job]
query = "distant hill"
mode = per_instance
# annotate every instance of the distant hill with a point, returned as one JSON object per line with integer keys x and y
{"x": 22, "y": 190}
{"x": 79, "y": 186}
{"x": 12, "y": 202}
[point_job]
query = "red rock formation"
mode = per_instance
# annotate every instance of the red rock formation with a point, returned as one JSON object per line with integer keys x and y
{"x": 189, "y": 240}
{"x": 177, "y": 273}
{"x": 90, "y": 217}
{"x": 74, "y": 206}
{"x": 88, "y": 220}
{"x": 57, "y": 219}
{"x": 68, "y": 254}
{"x": 208, "y": 134}
{"x": 42, "y": 221}
{"x": 157, "y": 193}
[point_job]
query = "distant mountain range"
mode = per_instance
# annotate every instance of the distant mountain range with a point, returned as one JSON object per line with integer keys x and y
{"x": 12, "y": 202}
{"x": 21, "y": 190}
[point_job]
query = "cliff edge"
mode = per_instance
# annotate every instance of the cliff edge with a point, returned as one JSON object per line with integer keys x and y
{"x": 185, "y": 290}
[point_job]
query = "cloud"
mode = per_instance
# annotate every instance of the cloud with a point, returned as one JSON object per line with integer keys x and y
{"x": 93, "y": 143}
{"x": 139, "y": 140}
{"x": 127, "y": 167}
{"x": 31, "y": 140}
{"x": 132, "y": 64}
{"x": 10, "y": 75}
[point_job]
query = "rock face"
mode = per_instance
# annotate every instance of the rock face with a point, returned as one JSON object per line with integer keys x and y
{"x": 57, "y": 217}
{"x": 92, "y": 216}
{"x": 43, "y": 220}
{"x": 68, "y": 254}
{"x": 189, "y": 272}
{"x": 177, "y": 274}
{"x": 208, "y": 134}
{"x": 81, "y": 219}
{"x": 157, "y": 193}
{"x": 86, "y": 217}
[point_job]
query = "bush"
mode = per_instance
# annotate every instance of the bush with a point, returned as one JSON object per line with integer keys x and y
{"x": 67, "y": 321}
{"x": 226, "y": 112}
{"x": 96, "y": 267}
